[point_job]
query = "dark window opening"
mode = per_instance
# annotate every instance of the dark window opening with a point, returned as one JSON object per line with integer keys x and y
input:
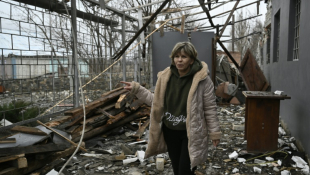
{"x": 276, "y": 51}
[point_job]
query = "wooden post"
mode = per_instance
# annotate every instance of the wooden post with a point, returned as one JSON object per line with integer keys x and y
{"x": 141, "y": 129}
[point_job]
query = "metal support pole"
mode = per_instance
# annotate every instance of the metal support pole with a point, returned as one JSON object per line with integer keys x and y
{"x": 110, "y": 81}
{"x": 74, "y": 55}
{"x": 135, "y": 67}
{"x": 233, "y": 33}
{"x": 118, "y": 55}
{"x": 53, "y": 74}
{"x": 123, "y": 44}
{"x": 202, "y": 4}
{"x": 3, "y": 69}
{"x": 111, "y": 61}
{"x": 228, "y": 54}
{"x": 151, "y": 62}
{"x": 139, "y": 64}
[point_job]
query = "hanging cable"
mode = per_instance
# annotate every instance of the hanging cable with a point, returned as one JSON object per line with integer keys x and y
{"x": 81, "y": 88}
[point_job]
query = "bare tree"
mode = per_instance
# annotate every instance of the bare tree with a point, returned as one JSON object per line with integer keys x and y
{"x": 247, "y": 34}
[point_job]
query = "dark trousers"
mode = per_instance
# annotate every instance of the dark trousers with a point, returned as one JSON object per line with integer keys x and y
{"x": 177, "y": 143}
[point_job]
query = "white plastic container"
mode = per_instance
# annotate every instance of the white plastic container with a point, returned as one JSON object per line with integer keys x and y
{"x": 160, "y": 163}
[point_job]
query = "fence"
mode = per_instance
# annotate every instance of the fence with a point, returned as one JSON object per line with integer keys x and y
{"x": 37, "y": 59}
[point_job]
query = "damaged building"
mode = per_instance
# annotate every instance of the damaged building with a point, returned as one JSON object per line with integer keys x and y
{"x": 285, "y": 62}
{"x": 104, "y": 129}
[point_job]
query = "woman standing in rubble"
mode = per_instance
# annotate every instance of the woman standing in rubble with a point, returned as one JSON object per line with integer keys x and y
{"x": 183, "y": 115}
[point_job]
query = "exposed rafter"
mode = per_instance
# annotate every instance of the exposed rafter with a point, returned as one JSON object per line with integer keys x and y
{"x": 60, "y": 8}
{"x": 118, "y": 12}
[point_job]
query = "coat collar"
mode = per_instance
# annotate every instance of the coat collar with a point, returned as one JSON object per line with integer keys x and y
{"x": 200, "y": 75}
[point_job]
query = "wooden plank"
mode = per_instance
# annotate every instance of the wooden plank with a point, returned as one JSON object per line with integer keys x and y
{"x": 79, "y": 133}
{"x": 28, "y": 130}
{"x": 143, "y": 111}
{"x": 141, "y": 130}
{"x": 97, "y": 103}
{"x": 8, "y": 170}
{"x": 72, "y": 129}
{"x": 136, "y": 104}
{"x": 9, "y": 158}
{"x": 107, "y": 114}
{"x": 91, "y": 119}
{"x": 80, "y": 128}
{"x": 58, "y": 121}
{"x": 8, "y": 140}
{"x": 19, "y": 163}
{"x": 112, "y": 91}
{"x": 121, "y": 101}
{"x": 115, "y": 111}
{"x": 174, "y": 28}
{"x": 75, "y": 121}
{"x": 117, "y": 118}
{"x": 105, "y": 108}
{"x": 36, "y": 164}
{"x": 45, "y": 155}
{"x": 31, "y": 149}
{"x": 124, "y": 100}
{"x": 98, "y": 121}
{"x": 267, "y": 95}
{"x": 182, "y": 24}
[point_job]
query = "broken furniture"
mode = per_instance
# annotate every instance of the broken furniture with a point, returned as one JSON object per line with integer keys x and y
{"x": 252, "y": 76}
{"x": 261, "y": 120}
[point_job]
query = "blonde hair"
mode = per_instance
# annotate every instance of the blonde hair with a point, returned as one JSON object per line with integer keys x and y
{"x": 187, "y": 47}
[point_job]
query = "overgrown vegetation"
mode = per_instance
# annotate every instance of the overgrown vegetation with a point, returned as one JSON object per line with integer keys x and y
{"x": 19, "y": 110}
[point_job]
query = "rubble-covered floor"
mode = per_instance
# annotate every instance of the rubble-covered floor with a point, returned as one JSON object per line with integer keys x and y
{"x": 230, "y": 157}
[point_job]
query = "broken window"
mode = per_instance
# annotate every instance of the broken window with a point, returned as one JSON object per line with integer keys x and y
{"x": 296, "y": 31}
{"x": 276, "y": 54}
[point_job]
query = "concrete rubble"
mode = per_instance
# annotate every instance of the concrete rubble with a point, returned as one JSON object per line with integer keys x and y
{"x": 230, "y": 157}
{"x": 47, "y": 99}
{"x": 116, "y": 140}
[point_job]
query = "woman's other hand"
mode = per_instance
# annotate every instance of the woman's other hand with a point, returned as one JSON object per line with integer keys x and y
{"x": 215, "y": 142}
{"x": 128, "y": 85}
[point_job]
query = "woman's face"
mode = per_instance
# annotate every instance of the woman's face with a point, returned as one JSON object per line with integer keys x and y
{"x": 183, "y": 62}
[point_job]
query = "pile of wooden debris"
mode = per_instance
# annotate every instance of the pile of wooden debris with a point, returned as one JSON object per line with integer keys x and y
{"x": 39, "y": 149}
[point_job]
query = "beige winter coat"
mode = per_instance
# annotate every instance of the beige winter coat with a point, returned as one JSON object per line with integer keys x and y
{"x": 201, "y": 120}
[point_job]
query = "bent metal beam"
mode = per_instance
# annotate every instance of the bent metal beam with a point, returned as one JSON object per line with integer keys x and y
{"x": 60, "y": 8}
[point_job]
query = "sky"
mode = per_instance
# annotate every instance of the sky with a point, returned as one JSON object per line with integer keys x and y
{"x": 250, "y": 10}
